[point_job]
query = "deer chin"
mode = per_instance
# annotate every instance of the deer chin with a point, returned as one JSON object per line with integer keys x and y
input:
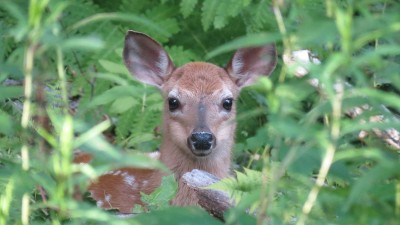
{"x": 201, "y": 153}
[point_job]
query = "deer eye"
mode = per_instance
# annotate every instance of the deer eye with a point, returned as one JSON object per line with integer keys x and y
{"x": 173, "y": 104}
{"x": 227, "y": 104}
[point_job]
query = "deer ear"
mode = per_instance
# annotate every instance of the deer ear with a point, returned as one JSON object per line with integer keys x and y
{"x": 247, "y": 64}
{"x": 146, "y": 59}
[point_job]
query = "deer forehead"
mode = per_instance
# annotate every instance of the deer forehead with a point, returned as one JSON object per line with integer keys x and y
{"x": 199, "y": 80}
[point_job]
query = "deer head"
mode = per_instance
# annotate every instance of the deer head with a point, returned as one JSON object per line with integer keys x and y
{"x": 199, "y": 112}
{"x": 199, "y": 108}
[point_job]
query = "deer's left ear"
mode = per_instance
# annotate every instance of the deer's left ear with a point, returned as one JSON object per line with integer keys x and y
{"x": 247, "y": 64}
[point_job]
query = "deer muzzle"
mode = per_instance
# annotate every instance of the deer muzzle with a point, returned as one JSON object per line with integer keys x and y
{"x": 201, "y": 143}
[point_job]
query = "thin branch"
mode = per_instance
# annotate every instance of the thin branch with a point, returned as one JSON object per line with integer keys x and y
{"x": 213, "y": 201}
{"x": 328, "y": 158}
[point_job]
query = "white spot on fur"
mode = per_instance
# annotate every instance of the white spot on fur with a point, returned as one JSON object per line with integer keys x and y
{"x": 145, "y": 183}
{"x": 109, "y": 172}
{"x": 116, "y": 173}
{"x": 100, "y": 203}
{"x": 154, "y": 155}
{"x": 108, "y": 198}
{"x": 129, "y": 180}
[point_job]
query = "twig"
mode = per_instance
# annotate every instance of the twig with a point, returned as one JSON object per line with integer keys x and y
{"x": 213, "y": 201}
{"x": 328, "y": 158}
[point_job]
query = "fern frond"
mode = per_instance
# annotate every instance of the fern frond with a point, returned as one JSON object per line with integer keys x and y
{"x": 180, "y": 56}
{"x": 187, "y": 7}
{"x": 135, "y": 6}
{"x": 136, "y": 126}
{"x": 209, "y": 11}
{"x": 244, "y": 183}
{"x": 259, "y": 17}
{"x": 226, "y": 10}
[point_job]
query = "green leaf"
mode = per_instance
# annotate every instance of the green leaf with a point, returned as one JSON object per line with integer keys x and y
{"x": 371, "y": 180}
{"x": 112, "y": 78}
{"x": 180, "y": 56}
{"x": 123, "y": 104}
{"x": 120, "y": 17}
{"x": 7, "y": 123}
{"x": 380, "y": 96}
{"x": 10, "y": 92}
{"x": 244, "y": 183}
{"x": 113, "y": 67}
{"x": 116, "y": 93}
{"x": 226, "y": 10}
{"x": 187, "y": 7}
{"x": 209, "y": 10}
{"x": 177, "y": 216}
{"x": 250, "y": 40}
{"x": 82, "y": 43}
{"x": 161, "y": 196}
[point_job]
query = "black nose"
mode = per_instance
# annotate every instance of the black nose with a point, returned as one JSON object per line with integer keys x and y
{"x": 202, "y": 141}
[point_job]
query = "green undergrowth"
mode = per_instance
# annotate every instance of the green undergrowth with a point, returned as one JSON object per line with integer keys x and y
{"x": 301, "y": 157}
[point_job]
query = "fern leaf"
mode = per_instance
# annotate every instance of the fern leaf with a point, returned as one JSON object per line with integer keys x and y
{"x": 161, "y": 196}
{"x": 226, "y": 10}
{"x": 134, "y": 6}
{"x": 135, "y": 126}
{"x": 163, "y": 15}
{"x": 244, "y": 183}
{"x": 209, "y": 10}
{"x": 180, "y": 55}
{"x": 124, "y": 125}
{"x": 259, "y": 16}
{"x": 187, "y": 7}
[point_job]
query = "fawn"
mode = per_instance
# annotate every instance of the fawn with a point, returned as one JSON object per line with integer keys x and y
{"x": 198, "y": 118}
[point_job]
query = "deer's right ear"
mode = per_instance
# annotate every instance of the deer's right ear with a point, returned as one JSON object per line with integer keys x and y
{"x": 247, "y": 64}
{"x": 146, "y": 59}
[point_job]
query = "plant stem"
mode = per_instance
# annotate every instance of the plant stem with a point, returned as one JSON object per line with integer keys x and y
{"x": 281, "y": 25}
{"x": 329, "y": 155}
{"x": 26, "y": 112}
{"x": 27, "y": 86}
{"x": 398, "y": 198}
{"x": 63, "y": 80}
{"x": 25, "y": 209}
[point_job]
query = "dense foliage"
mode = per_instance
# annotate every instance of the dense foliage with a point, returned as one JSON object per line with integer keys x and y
{"x": 303, "y": 158}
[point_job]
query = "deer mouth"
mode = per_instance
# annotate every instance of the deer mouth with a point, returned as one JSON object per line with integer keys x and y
{"x": 201, "y": 143}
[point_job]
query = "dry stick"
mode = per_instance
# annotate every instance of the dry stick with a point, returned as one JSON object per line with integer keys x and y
{"x": 213, "y": 201}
